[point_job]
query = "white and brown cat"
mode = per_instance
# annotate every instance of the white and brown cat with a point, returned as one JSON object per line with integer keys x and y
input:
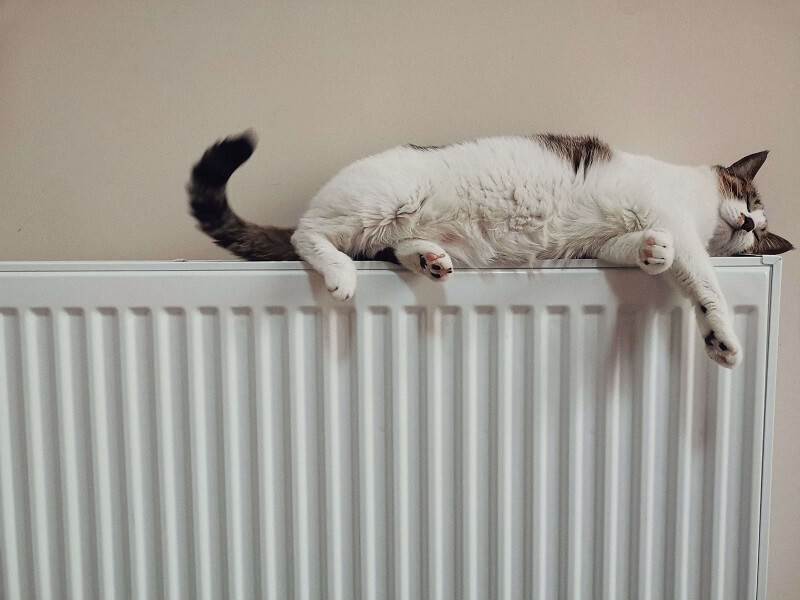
{"x": 510, "y": 200}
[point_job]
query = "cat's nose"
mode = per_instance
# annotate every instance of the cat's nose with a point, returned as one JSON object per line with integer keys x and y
{"x": 748, "y": 224}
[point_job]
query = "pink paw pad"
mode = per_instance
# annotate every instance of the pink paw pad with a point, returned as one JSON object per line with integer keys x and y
{"x": 432, "y": 263}
{"x": 647, "y": 252}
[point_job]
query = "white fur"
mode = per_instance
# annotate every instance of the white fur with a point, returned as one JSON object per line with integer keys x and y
{"x": 510, "y": 200}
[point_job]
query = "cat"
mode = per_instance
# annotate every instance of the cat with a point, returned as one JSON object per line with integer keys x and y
{"x": 510, "y": 200}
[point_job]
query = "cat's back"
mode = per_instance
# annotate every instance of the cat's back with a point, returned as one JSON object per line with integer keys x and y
{"x": 415, "y": 170}
{"x": 562, "y": 169}
{"x": 489, "y": 156}
{"x": 506, "y": 153}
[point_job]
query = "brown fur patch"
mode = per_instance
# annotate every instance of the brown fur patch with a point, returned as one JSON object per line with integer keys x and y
{"x": 749, "y": 166}
{"x": 425, "y": 148}
{"x": 737, "y": 187}
{"x": 733, "y": 186}
{"x": 769, "y": 243}
{"x": 576, "y": 149}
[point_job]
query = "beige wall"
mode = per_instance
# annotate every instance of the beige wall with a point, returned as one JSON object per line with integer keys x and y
{"x": 104, "y": 105}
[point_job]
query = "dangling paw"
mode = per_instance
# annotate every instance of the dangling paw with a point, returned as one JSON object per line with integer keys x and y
{"x": 340, "y": 279}
{"x": 424, "y": 257}
{"x": 656, "y": 251}
{"x": 723, "y": 349}
{"x": 722, "y": 345}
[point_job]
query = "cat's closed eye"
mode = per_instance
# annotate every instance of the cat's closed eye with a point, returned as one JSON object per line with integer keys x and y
{"x": 754, "y": 203}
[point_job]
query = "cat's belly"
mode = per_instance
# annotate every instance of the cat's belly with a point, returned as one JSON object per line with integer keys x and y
{"x": 514, "y": 225}
{"x": 488, "y": 238}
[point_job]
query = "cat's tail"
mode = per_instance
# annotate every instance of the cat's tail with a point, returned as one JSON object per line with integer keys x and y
{"x": 209, "y": 204}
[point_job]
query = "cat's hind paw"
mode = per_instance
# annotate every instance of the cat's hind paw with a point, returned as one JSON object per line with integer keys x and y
{"x": 436, "y": 266}
{"x": 656, "y": 251}
{"x": 425, "y": 258}
{"x": 340, "y": 279}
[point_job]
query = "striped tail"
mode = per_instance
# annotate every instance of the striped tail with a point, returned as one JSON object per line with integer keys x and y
{"x": 209, "y": 204}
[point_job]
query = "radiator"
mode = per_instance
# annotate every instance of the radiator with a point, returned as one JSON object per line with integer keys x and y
{"x": 227, "y": 430}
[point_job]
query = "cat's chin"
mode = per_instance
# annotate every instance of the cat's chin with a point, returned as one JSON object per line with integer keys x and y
{"x": 722, "y": 238}
{"x": 737, "y": 244}
{"x": 729, "y": 239}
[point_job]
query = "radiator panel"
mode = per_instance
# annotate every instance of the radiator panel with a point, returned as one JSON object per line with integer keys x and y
{"x": 230, "y": 431}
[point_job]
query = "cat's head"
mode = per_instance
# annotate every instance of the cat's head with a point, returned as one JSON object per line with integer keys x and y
{"x": 742, "y": 223}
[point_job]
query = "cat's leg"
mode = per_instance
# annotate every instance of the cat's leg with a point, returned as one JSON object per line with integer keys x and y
{"x": 694, "y": 275}
{"x": 336, "y": 267}
{"x": 656, "y": 251}
{"x": 424, "y": 257}
{"x": 653, "y": 250}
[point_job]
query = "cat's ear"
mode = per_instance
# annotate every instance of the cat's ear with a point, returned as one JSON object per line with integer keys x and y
{"x": 748, "y": 166}
{"x": 771, "y": 244}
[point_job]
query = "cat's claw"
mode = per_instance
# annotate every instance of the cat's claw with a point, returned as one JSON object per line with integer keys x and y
{"x": 656, "y": 251}
{"x": 340, "y": 279}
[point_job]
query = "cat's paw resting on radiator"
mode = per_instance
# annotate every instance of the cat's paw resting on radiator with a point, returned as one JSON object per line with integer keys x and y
{"x": 425, "y": 258}
{"x": 340, "y": 279}
{"x": 656, "y": 251}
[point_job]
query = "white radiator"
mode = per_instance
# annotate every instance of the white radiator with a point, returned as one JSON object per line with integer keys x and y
{"x": 226, "y": 430}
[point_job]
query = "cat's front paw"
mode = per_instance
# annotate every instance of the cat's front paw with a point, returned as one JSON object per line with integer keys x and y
{"x": 723, "y": 349}
{"x": 340, "y": 279}
{"x": 722, "y": 345}
{"x": 656, "y": 251}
